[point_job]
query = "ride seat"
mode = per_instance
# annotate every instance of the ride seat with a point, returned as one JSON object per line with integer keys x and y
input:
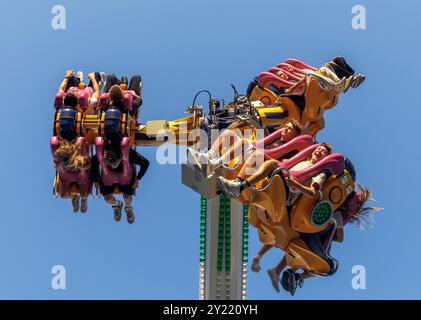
{"x": 121, "y": 175}
{"x": 83, "y": 96}
{"x": 70, "y": 180}
{"x": 127, "y": 102}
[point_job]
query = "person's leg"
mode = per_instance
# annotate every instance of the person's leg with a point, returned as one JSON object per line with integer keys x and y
{"x": 225, "y": 140}
{"x": 290, "y": 279}
{"x": 255, "y": 266}
{"x": 237, "y": 147}
{"x": 84, "y": 193}
{"x": 116, "y": 204}
{"x": 240, "y": 147}
{"x": 233, "y": 142}
{"x": 216, "y": 163}
{"x": 214, "y": 151}
{"x": 235, "y": 187}
{"x": 281, "y": 266}
{"x": 76, "y": 203}
{"x": 110, "y": 81}
{"x": 109, "y": 198}
{"x": 84, "y": 204}
{"x": 250, "y": 164}
{"x": 198, "y": 158}
{"x": 128, "y": 192}
{"x": 128, "y": 208}
{"x": 274, "y": 273}
{"x": 263, "y": 172}
{"x": 128, "y": 199}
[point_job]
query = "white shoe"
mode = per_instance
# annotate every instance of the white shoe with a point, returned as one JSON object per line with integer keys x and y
{"x": 79, "y": 75}
{"x": 357, "y": 80}
{"x": 347, "y": 84}
{"x": 214, "y": 164}
{"x": 353, "y": 82}
{"x": 198, "y": 153}
{"x": 231, "y": 187}
{"x": 103, "y": 78}
{"x": 255, "y": 266}
{"x": 194, "y": 158}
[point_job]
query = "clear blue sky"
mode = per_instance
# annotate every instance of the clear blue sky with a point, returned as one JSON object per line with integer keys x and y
{"x": 180, "y": 47}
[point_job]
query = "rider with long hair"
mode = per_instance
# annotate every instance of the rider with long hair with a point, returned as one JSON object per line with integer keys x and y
{"x": 69, "y": 157}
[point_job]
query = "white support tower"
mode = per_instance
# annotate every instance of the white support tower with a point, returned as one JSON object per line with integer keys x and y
{"x": 224, "y": 249}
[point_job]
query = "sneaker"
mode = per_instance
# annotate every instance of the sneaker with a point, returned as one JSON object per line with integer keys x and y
{"x": 130, "y": 214}
{"x": 214, "y": 164}
{"x": 76, "y": 203}
{"x": 197, "y": 153}
{"x": 255, "y": 265}
{"x": 103, "y": 77}
{"x": 79, "y": 75}
{"x": 84, "y": 206}
{"x": 357, "y": 80}
{"x": 342, "y": 68}
{"x": 274, "y": 279}
{"x": 353, "y": 82}
{"x": 347, "y": 84}
{"x": 232, "y": 187}
{"x": 291, "y": 280}
{"x": 117, "y": 210}
{"x": 194, "y": 157}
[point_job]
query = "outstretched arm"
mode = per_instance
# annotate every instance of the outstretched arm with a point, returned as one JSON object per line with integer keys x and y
{"x": 63, "y": 84}
{"x": 97, "y": 89}
{"x": 94, "y": 100}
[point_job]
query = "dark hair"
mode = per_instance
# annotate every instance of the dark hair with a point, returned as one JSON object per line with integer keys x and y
{"x": 70, "y": 100}
{"x": 328, "y": 147}
{"x": 112, "y": 155}
{"x": 298, "y": 127}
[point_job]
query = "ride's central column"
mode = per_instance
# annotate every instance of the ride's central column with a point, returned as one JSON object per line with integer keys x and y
{"x": 223, "y": 249}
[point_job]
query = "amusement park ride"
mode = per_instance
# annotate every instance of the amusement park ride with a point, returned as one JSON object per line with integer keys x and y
{"x": 291, "y": 90}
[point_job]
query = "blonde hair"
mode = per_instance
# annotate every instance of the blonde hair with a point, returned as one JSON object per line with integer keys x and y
{"x": 68, "y": 155}
{"x": 363, "y": 217}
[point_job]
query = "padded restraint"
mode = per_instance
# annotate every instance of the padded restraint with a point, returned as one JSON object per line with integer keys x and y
{"x": 297, "y": 144}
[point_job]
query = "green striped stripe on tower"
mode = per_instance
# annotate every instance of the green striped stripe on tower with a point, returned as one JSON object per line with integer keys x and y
{"x": 202, "y": 252}
{"x": 224, "y": 211}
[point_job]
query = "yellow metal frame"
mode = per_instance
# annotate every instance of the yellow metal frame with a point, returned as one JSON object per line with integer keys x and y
{"x": 334, "y": 191}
